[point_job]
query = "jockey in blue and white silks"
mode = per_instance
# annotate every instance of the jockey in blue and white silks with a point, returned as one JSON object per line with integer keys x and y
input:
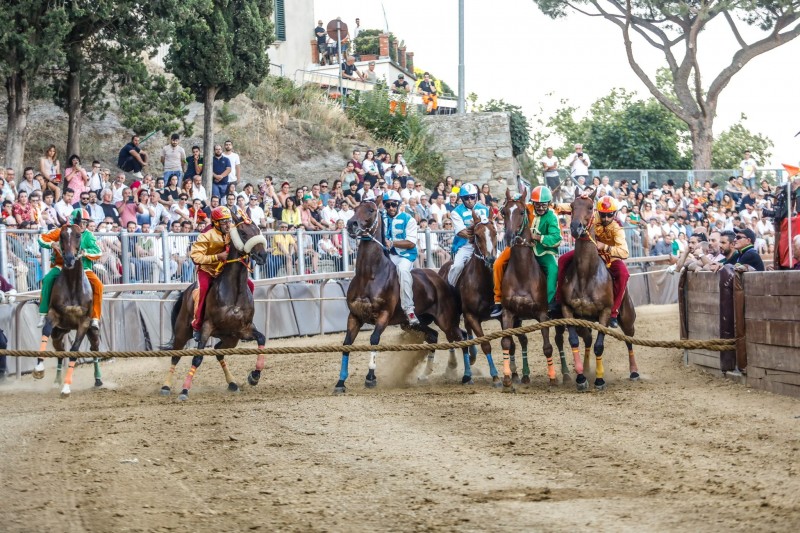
{"x": 462, "y": 226}
{"x": 400, "y": 239}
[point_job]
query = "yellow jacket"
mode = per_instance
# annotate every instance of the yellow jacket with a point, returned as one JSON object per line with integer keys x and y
{"x": 205, "y": 249}
{"x": 612, "y": 235}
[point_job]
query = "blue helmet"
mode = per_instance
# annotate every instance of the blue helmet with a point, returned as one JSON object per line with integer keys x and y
{"x": 391, "y": 196}
{"x": 467, "y": 189}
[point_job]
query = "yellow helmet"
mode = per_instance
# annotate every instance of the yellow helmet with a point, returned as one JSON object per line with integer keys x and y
{"x": 607, "y": 204}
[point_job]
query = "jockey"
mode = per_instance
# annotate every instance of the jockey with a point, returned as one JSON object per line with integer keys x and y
{"x": 613, "y": 250}
{"x": 400, "y": 239}
{"x": 89, "y": 251}
{"x": 546, "y": 234}
{"x": 462, "y": 227}
{"x": 209, "y": 253}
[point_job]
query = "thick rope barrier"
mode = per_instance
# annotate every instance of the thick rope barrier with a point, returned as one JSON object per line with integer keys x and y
{"x": 714, "y": 345}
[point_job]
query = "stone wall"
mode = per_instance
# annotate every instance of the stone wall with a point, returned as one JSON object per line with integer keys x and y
{"x": 476, "y": 148}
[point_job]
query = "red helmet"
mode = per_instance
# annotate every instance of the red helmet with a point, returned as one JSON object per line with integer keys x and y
{"x": 220, "y": 213}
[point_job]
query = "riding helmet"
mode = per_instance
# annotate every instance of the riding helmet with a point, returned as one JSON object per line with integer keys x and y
{"x": 78, "y": 215}
{"x": 541, "y": 195}
{"x": 468, "y": 189}
{"x": 220, "y": 213}
{"x": 607, "y": 204}
{"x": 390, "y": 196}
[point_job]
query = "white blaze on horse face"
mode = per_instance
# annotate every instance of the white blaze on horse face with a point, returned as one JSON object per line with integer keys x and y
{"x": 511, "y": 211}
{"x": 489, "y": 245}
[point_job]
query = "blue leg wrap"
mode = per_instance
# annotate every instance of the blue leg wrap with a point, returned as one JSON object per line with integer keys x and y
{"x": 343, "y": 372}
{"x": 492, "y": 369}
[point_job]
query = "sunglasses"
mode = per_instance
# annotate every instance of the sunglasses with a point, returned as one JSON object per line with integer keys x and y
{"x": 391, "y": 204}
{"x": 470, "y": 197}
{"x": 606, "y": 215}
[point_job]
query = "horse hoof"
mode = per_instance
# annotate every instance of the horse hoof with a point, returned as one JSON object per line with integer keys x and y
{"x": 233, "y": 387}
{"x": 526, "y": 380}
{"x": 184, "y": 395}
{"x": 553, "y": 384}
{"x": 65, "y": 392}
{"x": 165, "y": 391}
{"x": 565, "y": 378}
{"x": 496, "y": 382}
{"x": 38, "y": 371}
{"x": 510, "y": 389}
{"x": 634, "y": 376}
{"x": 253, "y": 378}
{"x": 467, "y": 380}
{"x": 581, "y": 383}
{"x": 600, "y": 384}
{"x": 370, "y": 383}
{"x": 339, "y": 390}
{"x": 422, "y": 378}
{"x": 515, "y": 378}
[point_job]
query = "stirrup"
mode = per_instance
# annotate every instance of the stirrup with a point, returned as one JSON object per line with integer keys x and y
{"x": 496, "y": 311}
{"x": 412, "y": 319}
{"x": 95, "y": 323}
{"x": 42, "y": 320}
{"x": 196, "y": 334}
{"x": 613, "y": 322}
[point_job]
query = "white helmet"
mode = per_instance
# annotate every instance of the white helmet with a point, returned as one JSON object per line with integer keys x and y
{"x": 391, "y": 196}
{"x": 468, "y": 189}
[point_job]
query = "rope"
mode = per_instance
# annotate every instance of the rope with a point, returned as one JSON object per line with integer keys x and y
{"x": 714, "y": 345}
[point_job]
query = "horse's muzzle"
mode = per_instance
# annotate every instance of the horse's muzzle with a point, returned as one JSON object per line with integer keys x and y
{"x": 577, "y": 230}
{"x": 259, "y": 257}
{"x": 353, "y": 228}
{"x": 69, "y": 260}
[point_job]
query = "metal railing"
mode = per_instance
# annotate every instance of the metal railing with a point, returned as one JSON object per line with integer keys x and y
{"x": 646, "y": 177}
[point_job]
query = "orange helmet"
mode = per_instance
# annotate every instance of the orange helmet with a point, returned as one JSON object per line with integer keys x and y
{"x": 607, "y": 204}
{"x": 541, "y": 195}
{"x": 220, "y": 213}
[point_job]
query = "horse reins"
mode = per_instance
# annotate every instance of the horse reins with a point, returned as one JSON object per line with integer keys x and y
{"x": 366, "y": 234}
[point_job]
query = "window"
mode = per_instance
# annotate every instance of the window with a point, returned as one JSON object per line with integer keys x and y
{"x": 280, "y": 21}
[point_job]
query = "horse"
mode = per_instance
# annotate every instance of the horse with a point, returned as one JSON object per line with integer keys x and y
{"x": 588, "y": 293}
{"x": 475, "y": 286}
{"x": 229, "y": 309}
{"x": 373, "y": 296}
{"x": 70, "y": 309}
{"x": 524, "y": 292}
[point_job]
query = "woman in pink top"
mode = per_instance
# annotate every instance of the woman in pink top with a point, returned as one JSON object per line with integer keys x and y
{"x": 77, "y": 178}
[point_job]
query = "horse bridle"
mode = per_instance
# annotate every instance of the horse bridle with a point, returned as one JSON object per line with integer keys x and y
{"x": 476, "y": 253}
{"x": 366, "y": 234}
{"x": 246, "y": 247}
{"x": 518, "y": 239}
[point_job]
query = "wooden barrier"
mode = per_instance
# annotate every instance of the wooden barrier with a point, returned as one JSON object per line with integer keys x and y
{"x": 761, "y": 309}
{"x": 772, "y": 331}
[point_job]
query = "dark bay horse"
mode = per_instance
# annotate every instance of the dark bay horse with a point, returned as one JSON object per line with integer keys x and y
{"x": 524, "y": 291}
{"x": 71, "y": 305}
{"x": 588, "y": 293}
{"x": 374, "y": 294}
{"x": 475, "y": 286}
{"x": 229, "y": 308}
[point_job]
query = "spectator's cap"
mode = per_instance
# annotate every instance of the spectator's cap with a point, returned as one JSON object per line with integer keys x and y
{"x": 284, "y": 183}
{"x": 381, "y": 151}
{"x": 634, "y": 182}
{"x": 747, "y": 232}
{"x": 307, "y": 197}
{"x": 320, "y": 22}
{"x": 400, "y": 76}
{"x": 253, "y": 197}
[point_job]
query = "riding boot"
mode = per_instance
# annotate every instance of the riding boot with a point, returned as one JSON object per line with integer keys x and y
{"x": 496, "y": 311}
{"x": 196, "y": 333}
{"x": 613, "y": 323}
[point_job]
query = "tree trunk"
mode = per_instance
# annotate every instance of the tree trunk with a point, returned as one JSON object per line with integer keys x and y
{"x": 702, "y": 141}
{"x": 208, "y": 139}
{"x": 17, "y": 109}
{"x": 75, "y": 61}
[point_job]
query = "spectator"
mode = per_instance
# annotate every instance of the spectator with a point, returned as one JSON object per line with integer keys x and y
{"x": 50, "y": 167}
{"x": 356, "y": 160}
{"x": 236, "y": 162}
{"x": 96, "y": 178}
{"x": 23, "y": 211}
{"x": 328, "y": 250}
{"x": 350, "y": 71}
{"x": 194, "y": 164}
{"x": 64, "y": 206}
{"x": 430, "y": 98}
{"x": 284, "y": 249}
{"x": 173, "y": 158}
{"x": 748, "y": 258}
{"x": 118, "y": 186}
{"x": 749, "y": 169}
{"x": 370, "y": 168}
{"x": 132, "y": 158}
{"x": 290, "y": 214}
{"x": 578, "y": 163}
{"x": 370, "y": 76}
{"x": 49, "y": 216}
{"x": 221, "y": 170}
{"x": 28, "y": 184}
{"x": 128, "y": 207}
{"x": 400, "y": 92}
{"x": 76, "y": 176}
{"x": 452, "y": 202}
{"x": 255, "y": 212}
{"x": 170, "y": 193}
{"x": 179, "y": 211}
{"x": 109, "y": 207}
{"x": 322, "y": 39}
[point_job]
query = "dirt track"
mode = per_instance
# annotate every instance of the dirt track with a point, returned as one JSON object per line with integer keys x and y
{"x": 678, "y": 451}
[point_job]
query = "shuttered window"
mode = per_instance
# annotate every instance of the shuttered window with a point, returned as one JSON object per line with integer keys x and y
{"x": 280, "y": 21}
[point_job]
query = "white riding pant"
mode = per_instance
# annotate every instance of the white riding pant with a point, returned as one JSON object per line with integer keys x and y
{"x": 459, "y": 261}
{"x": 404, "y": 267}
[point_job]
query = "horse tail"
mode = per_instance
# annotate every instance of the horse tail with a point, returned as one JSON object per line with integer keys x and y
{"x": 173, "y": 318}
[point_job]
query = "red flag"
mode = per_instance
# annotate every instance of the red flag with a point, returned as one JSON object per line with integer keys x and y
{"x": 793, "y": 171}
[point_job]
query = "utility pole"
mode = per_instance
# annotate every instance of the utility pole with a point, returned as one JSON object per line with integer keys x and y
{"x": 461, "y": 96}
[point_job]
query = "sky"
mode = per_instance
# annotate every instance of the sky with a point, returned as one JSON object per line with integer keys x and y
{"x": 515, "y": 53}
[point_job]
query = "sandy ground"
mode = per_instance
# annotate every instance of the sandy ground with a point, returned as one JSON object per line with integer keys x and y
{"x": 679, "y": 450}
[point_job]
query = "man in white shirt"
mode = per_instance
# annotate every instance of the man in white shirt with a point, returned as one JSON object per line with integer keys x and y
{"x": 578, "y": 163}
{"x": 96, "y": 178}
{"x": 438, "y": 209}
{"x": 233, "y": 157}
{"x": 64, "y": 206}
{"x": 173, "y": 157}
{"x": 117, "y": 187}
{"x": 604, "y": 188}
{"x": 550, "y": 169}
{"x": 749, "y": 168}
{"x": 255, "y": 212}
{"x": 179, "y": 210}
{"x": 198, "y": 191}
{"x": 410, "y": 191}
{"x": 329, "y": 213}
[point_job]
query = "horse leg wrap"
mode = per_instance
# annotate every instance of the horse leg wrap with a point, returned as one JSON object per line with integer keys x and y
{"x": 429, "y": 364}
{"x": 599, "y": 371}
{"x": 632, "y": 362}
{"x": 260, "y": 362}
{"x": 551, "y": 369}
{"x": 68, "y": 375}
{"x": 187, "y": 383}
{"x": 467, "y": 369}
{"x": 225, "y": 370}
{"x": 526, "y": 371}
{"x": 492, "y": 369}
{"x": 43, "y": 343}
{"x": 168, "y": 381}
{"x": 506, "y": 363}
{"x": 564, "y": 367}
{"x": 372, "y": 360}
{"x": 586, "y": 353}
{"x": 578, "y": 363}
{"x": 96, "y": 368}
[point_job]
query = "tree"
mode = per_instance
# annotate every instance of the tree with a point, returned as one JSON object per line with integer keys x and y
{"x": 219, "y": 51}
{"x": 731, "y": 144}
{"x": 154, "y": 103}
{"x": 104, "y": 42}
{"x": 520, "y": 128}
{"x": 621, "y": 132}
{"x": 29, "y": 29}
{"x": 673, "y": 28}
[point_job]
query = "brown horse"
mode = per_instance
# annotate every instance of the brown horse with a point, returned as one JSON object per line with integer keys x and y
{"x": 71, "y": 305}
{"x": 374, "y": 294}
{"x": 229, "y": 308}
{"x": 475, "y": 287}
{"x": 588, "y": 293}
{"x": 524, "y": 290}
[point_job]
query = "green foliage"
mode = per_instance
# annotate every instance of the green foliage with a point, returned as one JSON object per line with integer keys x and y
{"x": 30, "y": 29}
{"x": 520, "y": 128}
{"x": 730, "y": 145}
{"x": 155, "y": 104}
{"x": 370, "y": 110}
{"x": 225, "y": 116}
{"x": 368, "y": 42}
{"x": 281, "y": 93}
{"x": 620, "y": 132}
